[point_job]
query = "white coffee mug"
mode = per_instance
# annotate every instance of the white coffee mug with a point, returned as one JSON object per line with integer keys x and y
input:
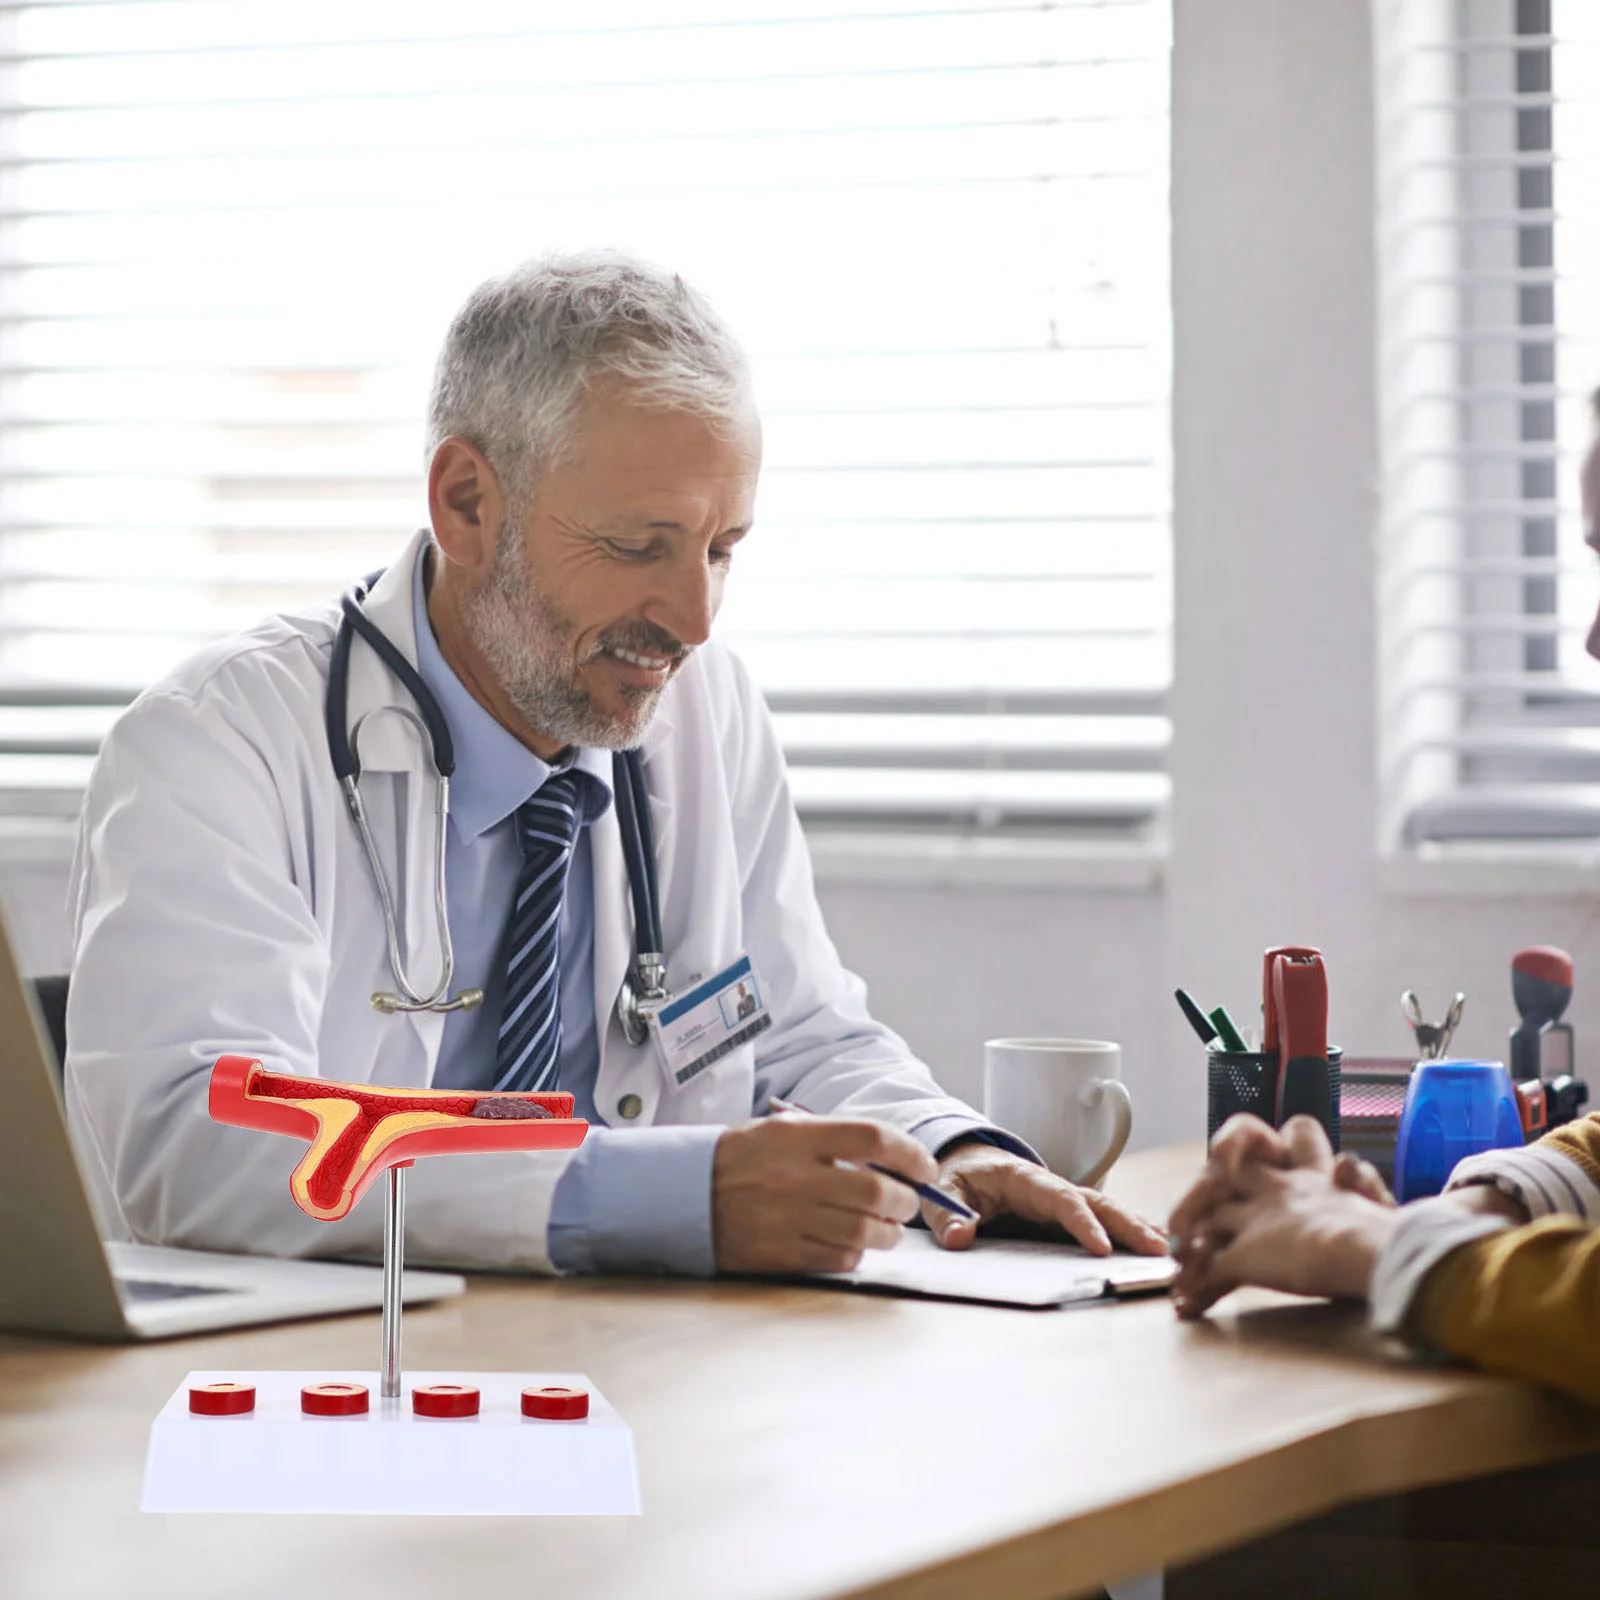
{"x": 1065, "y": 1097}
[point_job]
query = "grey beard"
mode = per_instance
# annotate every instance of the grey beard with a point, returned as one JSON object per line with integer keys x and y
{"x": 520, "y": 636}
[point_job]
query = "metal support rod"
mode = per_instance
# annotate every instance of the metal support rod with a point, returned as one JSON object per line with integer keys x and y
{"x": 394, "y": 1250}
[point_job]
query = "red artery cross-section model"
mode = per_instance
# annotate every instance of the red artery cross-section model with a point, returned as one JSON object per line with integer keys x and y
{"x": 357, "y": 1131}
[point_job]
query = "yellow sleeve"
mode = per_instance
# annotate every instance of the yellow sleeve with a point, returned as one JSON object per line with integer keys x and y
{"x": 1578, "y": 1141}
{"x": 1525, "y": 1302}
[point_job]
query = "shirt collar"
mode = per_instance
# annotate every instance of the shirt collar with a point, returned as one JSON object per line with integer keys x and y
{"x": 495, "y": 772}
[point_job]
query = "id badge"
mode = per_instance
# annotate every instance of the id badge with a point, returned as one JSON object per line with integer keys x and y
{"x": 697, "y": 1028}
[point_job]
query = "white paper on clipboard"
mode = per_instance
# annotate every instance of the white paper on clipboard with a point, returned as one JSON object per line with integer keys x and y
{"x": 1010, "y": 1272}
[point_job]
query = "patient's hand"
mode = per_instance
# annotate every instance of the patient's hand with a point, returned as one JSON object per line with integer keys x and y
{"x": 1244, "y": 1142}
{"x": 1275, "y": 1208}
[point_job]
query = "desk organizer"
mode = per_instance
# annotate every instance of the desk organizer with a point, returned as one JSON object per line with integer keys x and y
{"x": 1371, "y": 1100}
{"x": 1247, "y": 1080}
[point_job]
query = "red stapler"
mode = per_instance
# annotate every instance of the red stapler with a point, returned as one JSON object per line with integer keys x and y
{"x": 1269, "y": 1001}
{"x": 1300, "y": 1014}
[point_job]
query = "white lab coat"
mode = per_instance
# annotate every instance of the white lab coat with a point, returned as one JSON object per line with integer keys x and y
{"x": 221, "y": 903}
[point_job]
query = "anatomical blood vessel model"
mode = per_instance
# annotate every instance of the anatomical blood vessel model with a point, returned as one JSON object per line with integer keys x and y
{"x": 356, "y": 1131}
{"x": 345, "y": 1442}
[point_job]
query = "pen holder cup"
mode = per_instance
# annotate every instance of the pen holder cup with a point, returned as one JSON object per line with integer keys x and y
{"x": 1247, "y": 1080}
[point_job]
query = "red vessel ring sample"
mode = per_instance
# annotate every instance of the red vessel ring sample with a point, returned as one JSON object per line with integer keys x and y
{"x": 222, "y": 1399}
{"x": 444, "y": 1400}
{"x": 356, "y": 1131}
{"x": 555, "y": 1404}
{"x": 334, "y": 1399}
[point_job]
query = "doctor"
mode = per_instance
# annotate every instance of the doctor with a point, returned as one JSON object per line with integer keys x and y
{"x": 594, "y": 458}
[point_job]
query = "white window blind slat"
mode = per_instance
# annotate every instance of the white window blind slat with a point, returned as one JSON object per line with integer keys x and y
{"x": 231, "y": 236}
{"x": 1489, "y": 188}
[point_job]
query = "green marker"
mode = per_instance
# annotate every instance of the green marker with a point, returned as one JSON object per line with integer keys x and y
{"x": 1228, "y": 1036}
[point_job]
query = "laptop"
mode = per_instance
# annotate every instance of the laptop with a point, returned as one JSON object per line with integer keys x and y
{"x": 57, "y": 1276}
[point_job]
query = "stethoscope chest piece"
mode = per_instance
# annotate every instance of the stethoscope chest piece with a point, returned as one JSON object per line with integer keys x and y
{"x": 644, "y": 992}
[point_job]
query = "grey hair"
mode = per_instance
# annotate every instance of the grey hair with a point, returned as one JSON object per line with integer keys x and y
{"x": 523, "y": 352}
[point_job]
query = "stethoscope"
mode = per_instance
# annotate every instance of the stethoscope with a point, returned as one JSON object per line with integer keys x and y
{"x": 644, "y": 989}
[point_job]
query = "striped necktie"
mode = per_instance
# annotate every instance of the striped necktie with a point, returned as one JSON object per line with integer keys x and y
{"x": 529, "y": 1050}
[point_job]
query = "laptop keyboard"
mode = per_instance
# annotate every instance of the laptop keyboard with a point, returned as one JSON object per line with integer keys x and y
{"x": 136, "y": 1290}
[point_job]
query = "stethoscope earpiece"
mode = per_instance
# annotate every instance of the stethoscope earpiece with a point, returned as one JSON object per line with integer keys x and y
{"x": 388, "y": 1004}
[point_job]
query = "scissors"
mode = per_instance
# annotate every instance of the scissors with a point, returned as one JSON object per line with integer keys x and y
{"x": 1433, "y": 1039}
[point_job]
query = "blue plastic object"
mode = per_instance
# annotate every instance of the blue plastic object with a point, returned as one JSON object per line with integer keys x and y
{"x": 1453, "y": 1109}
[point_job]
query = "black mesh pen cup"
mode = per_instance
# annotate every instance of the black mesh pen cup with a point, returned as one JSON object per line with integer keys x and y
{"x": 1247, "y": 1080}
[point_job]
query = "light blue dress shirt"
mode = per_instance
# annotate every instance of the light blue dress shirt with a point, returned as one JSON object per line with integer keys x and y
{"x": 629, "y": 1201}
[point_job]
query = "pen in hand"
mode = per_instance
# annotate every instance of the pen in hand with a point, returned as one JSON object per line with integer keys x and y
{"x": 937, "y": 1196}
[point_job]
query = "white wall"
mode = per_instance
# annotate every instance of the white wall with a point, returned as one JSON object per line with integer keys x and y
{"x": 1274, "y": 825}
{"x": 951, "y": 967}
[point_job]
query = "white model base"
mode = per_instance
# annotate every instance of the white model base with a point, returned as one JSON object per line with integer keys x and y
{"x": 390, "y": 1461}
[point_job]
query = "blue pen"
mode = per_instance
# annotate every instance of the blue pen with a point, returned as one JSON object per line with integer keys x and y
{"x": 926, "y": 1190}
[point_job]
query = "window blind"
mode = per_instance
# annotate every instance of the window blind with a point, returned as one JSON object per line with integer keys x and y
{"x": 1489, "y": 244}
{"x": 232, "y": 234}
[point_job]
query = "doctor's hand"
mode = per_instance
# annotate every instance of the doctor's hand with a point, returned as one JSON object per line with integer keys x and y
{"x": 793, "y": 1194}
{"x": 994, "y": 1182}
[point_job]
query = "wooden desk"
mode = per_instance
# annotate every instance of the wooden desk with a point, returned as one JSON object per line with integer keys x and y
{"x": 792, "y": 1443}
